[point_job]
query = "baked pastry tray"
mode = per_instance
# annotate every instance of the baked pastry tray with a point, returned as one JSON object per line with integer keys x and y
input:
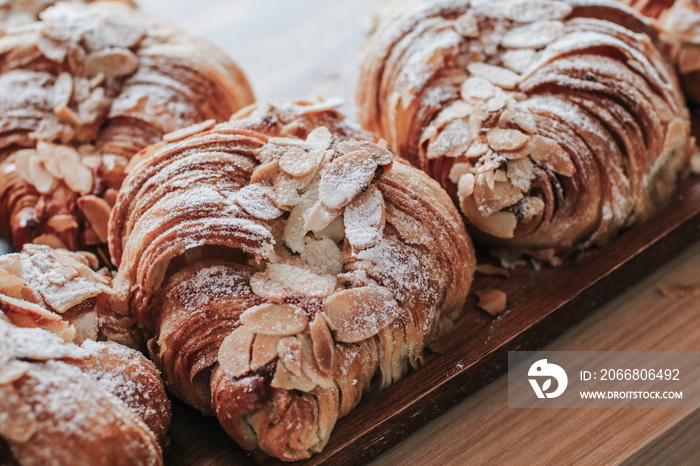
{"x": 541, "y": 305}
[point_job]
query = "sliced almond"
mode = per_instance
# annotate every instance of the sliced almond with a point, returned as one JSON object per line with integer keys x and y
{"x": 525, "y": 121}
{"x": 301, "y": 280}
{"x": 477, "y": 149}
{"x": 113, "y": 62}
{"x": 549, "y": 154}
{"x": 263, "y": 286}
{"x": 492, "y": 301}
{"x": 110, "y": 196}
{"x": 500, "y": 176}
{"x": 62, "y": 222}
{"x": 324, "y": 105}
{"x": 467, "y": 25}
{"x": 234, "y": 352}
{"x": 295, "y": 229}
{"x": 411, "y": 229}
{"x": 335, "y": 231}
{"x": 320, "y": 138}
{"x": 497, "y": 102}
{"x": 323, "y": 346}
{"x": 452, "y": 141}
{"x": 506, "y": 139}
{"x": 47, "y": 239}
{"x": 275, "y": 319}
{"x": 78, "y": 178}
{"x": 264, "y": 350}
{"x": 265, "y": 173}
{"x": 364, "y": 219}
{"x": 519, "y": 60}
{"x": 255, "y": 199}
{"x": 344, "y": 178}
{"x": 381, "y": 155}
{"x": 309, "y": 367}
{"x": 478, "y": 88}
{"x": 188, "y": 131}
{"x": 285, "y": 379}
{"x": 458, "y": 170}
{"x": 520, "y": 173}
{"x": 359, "y": 313}
{"x": 501, "y": 77}
{"x": 284, "y": 193}
{"x": 68, "y": 114}
{"x": 528, "y": 11}
{"x": 42, "y": 180}
{"x": 289, "y": 350}
{"x": 676, "y": 135}
{"x": 10, "y": 285}
{"x": 25, "y": 314}
{"x": 20, "y": 160}
{"x": 531, "y": 207}
{"x": 499, "y": 224}
{"x": 11, "y": 264}
{"x": 298, "y": 162}
{"x": 534, "y": 35}
{"x": 62, "y": 90}
{"x": 320, "y": 216}
{"x": 96, "y": 211}
{"x": 465, "y": 186}
{"x": 490, "y": 200}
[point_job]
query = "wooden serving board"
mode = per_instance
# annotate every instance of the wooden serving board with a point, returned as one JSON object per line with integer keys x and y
{"x": 541, "y": 304}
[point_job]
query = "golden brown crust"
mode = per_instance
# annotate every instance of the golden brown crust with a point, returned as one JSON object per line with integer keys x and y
{"x": 57, "y": 290}
{"x": 553, "y": 124}
{"x": 84, "y": 89}
{"x": 278, "y": 275}
{"x": 64, "y": 390}
{"x": 679, "y": 22}
{"x": 58, "y": 407}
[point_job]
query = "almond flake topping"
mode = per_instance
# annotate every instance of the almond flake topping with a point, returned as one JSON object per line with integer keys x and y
{"x": 501, "y": 77}
{"x": 298, "y": 162}
{"x": 364, "y": 219}
{"x": 506, "y": 139}
{"x": 234, "y": 352}
{"x": 274, "y": 319}
{"x": 359, "y": 313}
{"x": 345, "y": 177}
{"x": 255, "y": 199}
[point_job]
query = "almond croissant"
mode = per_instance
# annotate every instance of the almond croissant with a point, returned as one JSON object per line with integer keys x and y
{"x": 679, "y": 20}
{"x": 553, "y": 124}
{"x": 83, "y": 90}
{"x": 280, "y": 276}
{"x": 98, "y": 403}
{"x": 67, "y": 404}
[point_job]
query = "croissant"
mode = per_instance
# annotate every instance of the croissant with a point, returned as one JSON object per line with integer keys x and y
{"x": 279, "y": 277}
{"x": 83, "y": 90}
{"x": 680, "y": 22}
{"x": 61, "y": 403}
{"x": 20, "y": 12}
{"x": 98, "y": 403}
{"x": 553, "y": 124}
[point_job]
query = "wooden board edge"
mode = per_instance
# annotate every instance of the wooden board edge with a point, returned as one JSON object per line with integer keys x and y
{"x": 352, "y": 444}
